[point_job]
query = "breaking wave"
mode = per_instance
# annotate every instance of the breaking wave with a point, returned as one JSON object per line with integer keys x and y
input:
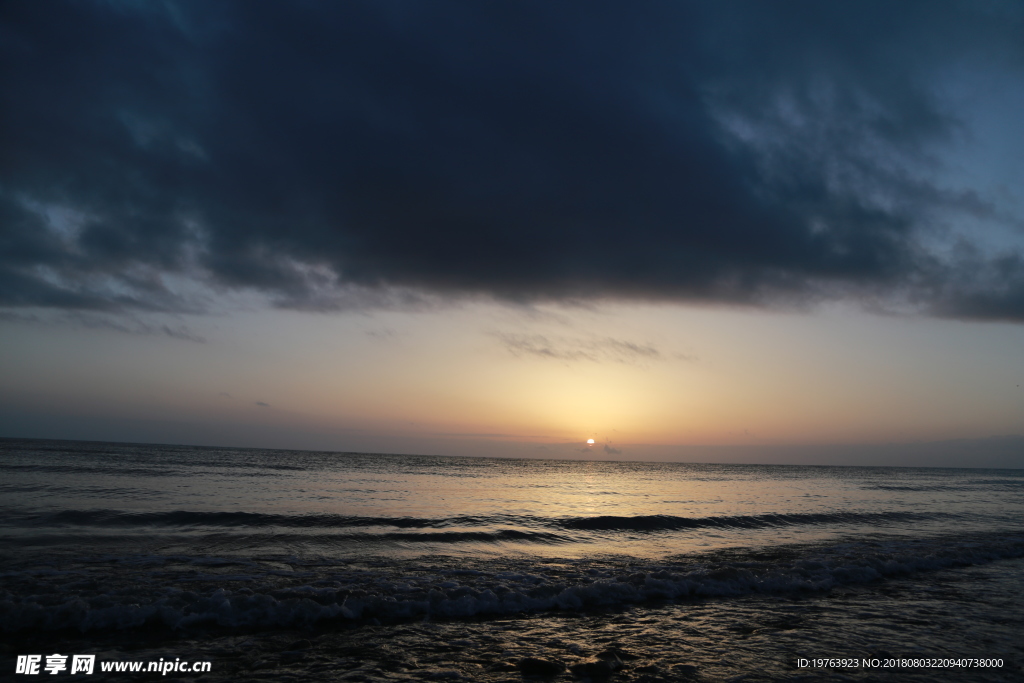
{"x": 185, "y": 593}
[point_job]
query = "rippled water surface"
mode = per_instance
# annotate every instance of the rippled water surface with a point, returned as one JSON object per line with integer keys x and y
{"x": 345, "y": 505}
{"x": 200, "y": 545}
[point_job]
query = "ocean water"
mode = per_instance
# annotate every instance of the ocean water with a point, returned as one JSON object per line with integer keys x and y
{"x": 291, "y": 565}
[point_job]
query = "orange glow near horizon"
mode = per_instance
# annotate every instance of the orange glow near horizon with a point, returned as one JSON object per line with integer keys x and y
{"x": 711, "y": 377}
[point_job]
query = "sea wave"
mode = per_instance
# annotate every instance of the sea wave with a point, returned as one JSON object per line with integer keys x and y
{"x": 185, "y": 593}
{"x": 108, "y": 518}
{"x": 671, "y": 523}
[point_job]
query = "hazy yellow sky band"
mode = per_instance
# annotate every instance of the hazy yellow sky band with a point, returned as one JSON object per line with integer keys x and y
{"x": 620, "y": 375}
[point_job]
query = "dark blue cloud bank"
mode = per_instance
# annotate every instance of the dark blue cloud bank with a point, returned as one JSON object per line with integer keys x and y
{"x": 734, "y": 152}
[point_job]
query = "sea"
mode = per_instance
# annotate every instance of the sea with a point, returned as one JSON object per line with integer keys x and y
{"x": 220, "y": 564}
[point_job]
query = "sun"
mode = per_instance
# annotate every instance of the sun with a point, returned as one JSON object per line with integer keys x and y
{"x": 590, "y": 442}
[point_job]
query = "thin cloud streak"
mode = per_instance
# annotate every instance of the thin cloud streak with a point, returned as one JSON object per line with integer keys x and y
{"x": 125, "y": 323}
{"x": 568, "y": 349}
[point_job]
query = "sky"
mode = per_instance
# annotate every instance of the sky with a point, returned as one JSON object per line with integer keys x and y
{"x": 714, "y": 231}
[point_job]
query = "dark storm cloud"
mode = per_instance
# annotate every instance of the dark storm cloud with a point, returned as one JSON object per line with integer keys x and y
{"x": 387, "y": 153}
